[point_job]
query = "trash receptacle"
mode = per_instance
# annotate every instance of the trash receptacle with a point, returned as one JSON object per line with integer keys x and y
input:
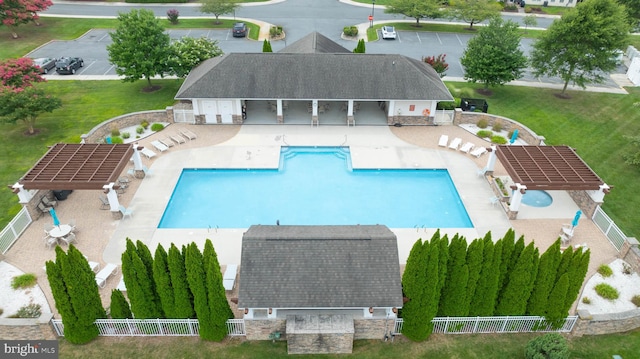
{"x": 522, "y": 3}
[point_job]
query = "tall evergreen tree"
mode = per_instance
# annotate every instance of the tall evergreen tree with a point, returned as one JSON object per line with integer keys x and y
{"x": 413, "y": 280}
{"x": 556, "y": 310}
{"x": 196, "y": 276}
{"x": 577, "y": 274}
{"x": 545, "y": 280}
{"x": 219, "y": 307}
{"x": 266, "y": 46}
{"x": 453, "y": 300}
{"x": 182, "y": 294}
{"x": 565, "y": 262}
{"x": 508, "y": 244}
{"x": 162, "y": 279}
{"x": 517, "y": 291}
{"x": 487, "y": 290}
{"x": 140, "y": 288}
{"x": 360, "y": 47}
{"x": 475, "y": 259}
{"x": 78, "y": 294}
{"x": 432, "y": 286}
{"x": 443, "y": 260}
{"x": 119, "y": 306}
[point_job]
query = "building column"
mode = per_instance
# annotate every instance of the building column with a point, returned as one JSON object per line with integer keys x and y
{"x": 137, "y": 161}
{"x": 23, "y": 195}
{"x": 491, "y": 162}
{"x": 279, "y": 112}
{"x": 112, "y": 196}
{"x": 517, "y": 197}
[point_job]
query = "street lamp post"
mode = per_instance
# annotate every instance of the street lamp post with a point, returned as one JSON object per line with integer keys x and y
{"x": 373, "y": 10}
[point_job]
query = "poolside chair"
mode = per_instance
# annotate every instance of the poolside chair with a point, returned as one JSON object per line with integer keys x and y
{"x": 105, "y": 273}
{"x": 148, "y": 153}
{"x": 104, "y": 202}
{"x": 482, "y": 172}
{"x": 494, "y": 200}
{"x": 455, "y": 143}
{"x": 72, "y": 224}
{"x": 43, "y": 208}
{"x": 147, "y": 171}
{"x": 69, "y": 238}
{"x": 177, "y": 139}
{"x": 167, "y": 142}
{"x": 159, "y": 146}
{"x": 49, "y": 203}
{"x": 444, "y": 139}
{"x": 567, "y": 230}
{"x": 188, "y": 134}
{"x": 126, "y": 212}
{"x": 478, "y": 151}
{"x": 51, "y": 242}
{"x": 121, "y": 286}
{"x": 467, "y": 147}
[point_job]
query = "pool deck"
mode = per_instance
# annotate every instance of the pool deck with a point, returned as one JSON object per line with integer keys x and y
{"x": 102, "y": 238}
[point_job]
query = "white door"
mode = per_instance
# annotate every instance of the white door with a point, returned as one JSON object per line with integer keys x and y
{"x": 226, "y": 110}
{"x": 209, "y": 111}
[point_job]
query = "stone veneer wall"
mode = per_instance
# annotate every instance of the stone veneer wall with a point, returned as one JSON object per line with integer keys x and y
{"x": 32, "y": 206}
{"x": 260, "y": 329}
{"x": 586, "y": 204}
{"x": 373, "y": 328}
{"x": 411, "y": 120}
{"x": 630, "y": 253}
{"x": 527, "y": 135}
{"x": 320, "y": 343}
{"x": 27, "y": 329}
{"x": 598, "y": 324}
{"x": 98, "y": 133}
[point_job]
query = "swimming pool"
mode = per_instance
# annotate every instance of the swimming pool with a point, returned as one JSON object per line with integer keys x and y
{"x": 315, "y": 186}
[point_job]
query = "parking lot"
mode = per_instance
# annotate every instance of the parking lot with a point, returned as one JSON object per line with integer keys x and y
{"x": 92, "y": 48}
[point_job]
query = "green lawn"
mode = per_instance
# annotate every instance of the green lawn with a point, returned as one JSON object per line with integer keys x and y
{"x": 496, "y": 346}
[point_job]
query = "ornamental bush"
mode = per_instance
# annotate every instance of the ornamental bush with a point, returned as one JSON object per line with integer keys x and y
{"x": 482, "y": 123}
{"x": 157, "y": 127}
{"x": 636, "y": 300}
{"x": 498, "y": 140}
{"x": 548, "y": 346}
{"x": 172, "y": 15}
{"x": 605, "y": 271}
{"x": 606, "y": 291}
{"x": 484, "y": 134}
{"x": 26, "y": 280}
{"x": 350, "y": 31}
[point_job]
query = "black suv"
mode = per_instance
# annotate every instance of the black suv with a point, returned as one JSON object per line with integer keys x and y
{"x": 239, "y": 29}
{"x": 68, "y": 65}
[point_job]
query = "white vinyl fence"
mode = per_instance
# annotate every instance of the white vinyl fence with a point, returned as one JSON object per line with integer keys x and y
{"x": 609, "y": 228}
{"x": 14, "y": 229}
{"x": 152, "y": 327}
{"x": 469, "y": 325}
{"x": 443, "y": 117}
{"x": 183, "y": 116}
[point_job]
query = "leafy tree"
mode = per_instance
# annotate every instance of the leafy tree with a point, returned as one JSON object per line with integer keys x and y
{"x": 633, "y": 10}
{"x": 413, "y": 280}
{"x": 196, "y": 275}
{"x": 529, "y": 20}
{"x": 119, "y": 306}
{"x": 416, "y": 9}
{"x": 517, "y": 291}
{"x": 266, "y": 46}
{"x": 16, "y": 74}
{"x": 563, "y": 50}
{"x": 17, "y": 12}
{"x": 140, "y": 47}
{"x": 26, "y": 106}
{"x": 453, "y": 300}
{"x": 182, "y": 294}
{"x": 172, "y": 16}
{"x": 188, "y": 52}
{"x": 162, "y": 279}
{"x": 360, "y": 48}
{"x": 438, "y": 63}
{"x": 494, "y": 56}
{"x": 218, "y": 7}
{"x": 474, "y": 11}
{"x": 545, "y": 280}
{"x": 548, "y": 346}
{"x": 76, "y": 295}
{"x": 219, "y": 307}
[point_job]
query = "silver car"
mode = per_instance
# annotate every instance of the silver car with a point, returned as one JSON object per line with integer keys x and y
{"x": 45, "y": 64}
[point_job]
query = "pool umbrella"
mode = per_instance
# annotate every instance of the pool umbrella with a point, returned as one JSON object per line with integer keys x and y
{"x": 576, "y": 218}
{"x": 513, "y": 137}
{"x": 54, "y": 216}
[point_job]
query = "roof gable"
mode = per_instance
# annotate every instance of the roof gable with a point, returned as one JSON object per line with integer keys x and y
{"x": 315, "y": 42}
{"x": 319, "y": 267}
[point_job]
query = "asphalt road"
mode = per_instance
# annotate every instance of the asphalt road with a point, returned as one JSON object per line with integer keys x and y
{"x": 298, "y": 18}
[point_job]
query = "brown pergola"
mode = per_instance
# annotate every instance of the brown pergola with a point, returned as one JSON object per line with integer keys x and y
{"x": 78, "y": 166}
{"x": 547, "y": 168}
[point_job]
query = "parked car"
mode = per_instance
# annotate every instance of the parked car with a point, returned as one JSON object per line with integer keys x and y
{"x": 45, "y": 64}
{"x": 239, "y": 29}
{"x": 68, "y": 65}
{"x": 388, "y": 32}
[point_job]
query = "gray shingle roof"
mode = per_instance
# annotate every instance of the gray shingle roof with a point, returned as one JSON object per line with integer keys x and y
{"x": 308, "y": 76}
{"x": 314, "y": 43}
{"x": 319, "y": 266}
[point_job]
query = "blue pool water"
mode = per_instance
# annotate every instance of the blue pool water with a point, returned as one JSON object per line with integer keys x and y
{"x": 537, "y": 198}
{"x": 314, "y": 186}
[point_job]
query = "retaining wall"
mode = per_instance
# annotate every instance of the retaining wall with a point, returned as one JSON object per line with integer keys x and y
{"x": 99, "y": 132}
{"x": 27, "y": 328}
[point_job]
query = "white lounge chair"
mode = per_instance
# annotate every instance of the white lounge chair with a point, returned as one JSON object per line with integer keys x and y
{"x": 467, "y": 147}
{"x": 229, "y": 277}
{"x": 159, "y": 146}
{"x": 121, "y": 286}
{"x": 444, "y": 139}
{"x": 148, "y": 153}
{"x": 178, "y": 139}
{"x": 455, "y": 143}
{"x": 126, "y": 212}
{"x": 105, "y": 273}
{"x": 478, "y": 151}
{"x": 167, "y": 142}
{"x": 188, "y": 134}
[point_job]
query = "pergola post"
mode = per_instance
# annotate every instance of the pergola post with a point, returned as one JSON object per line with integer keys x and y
{"x": 137, "y": 161}
{"x": 598, "y": 195}
{"x": 23, "y": 195}
{"x": 112, "y": 196}
{"x": 517, "y": 197}
{"x": 491, "y": 162}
